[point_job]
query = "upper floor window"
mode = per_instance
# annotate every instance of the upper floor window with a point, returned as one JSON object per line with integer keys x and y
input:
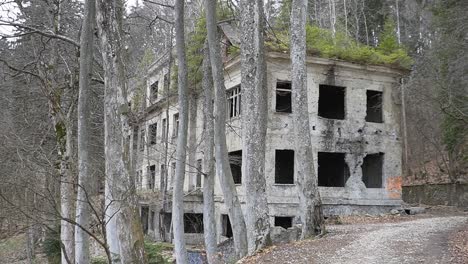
{"x": 176, "y": 125}
{"x": 152, "y": 133}
{"x": 151, "y": 176}
{"x": 374, "y": 106}
{"x": 235, "y": 160}
{"x": 331, "y": 102}
{"x": 164, "y": 130}
{"x": 154, "y": 90}
{"x": 283, "y": 97}
{"x": 142, "y": 140}
{"x": 234, "y": 101}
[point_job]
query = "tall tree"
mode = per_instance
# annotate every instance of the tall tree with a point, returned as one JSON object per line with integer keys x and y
{"x": 123, "y": 229}
{"x": 309, "y": 198}
{"x": 223, "y": 168}
{"x": 181, "y": 149}
{"x": 84, "y": 117}
{"x": 254, "y": 123}
{"x": 209, "y": 222}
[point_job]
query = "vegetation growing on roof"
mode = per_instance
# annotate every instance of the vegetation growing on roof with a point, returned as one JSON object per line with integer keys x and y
{"x": 321, "y": 43}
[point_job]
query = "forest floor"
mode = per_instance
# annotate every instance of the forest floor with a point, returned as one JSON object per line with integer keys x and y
{"x": 438, "y": 236}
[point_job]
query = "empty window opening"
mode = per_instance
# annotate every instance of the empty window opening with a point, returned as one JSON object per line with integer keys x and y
{"x": 152, "y": 218}
{"x": 226, "y": 225}
{"x": 166, "y": 219}
{"x": 154, "y": 90}
{"x": 164, "y": 130}
{"x": 199, "y": 173}
{"x": 163, "y": 176}
{"x": 176, "y": 125}
{"x": 283, "y": 221}
{"x": 151, "y": 176}
{"x": 235, "y": 160}
{"x": 284, "y": 166}
{"x": 234, "y": 101}
{"x": 372, "y": 170}
{"x": 139, "y": 179}
{"x": 135, "y": 138}
{"x": 331, "y": 102}
{"x": 193, "y": 223}
{"x": 283, "y": 97}
{"x": 144, "y": 218}
{"x": 374, "y": 107}
{"x": 142, "y": 140}
{"x": 332, "y": 169}
{"x": 152, "y": 133}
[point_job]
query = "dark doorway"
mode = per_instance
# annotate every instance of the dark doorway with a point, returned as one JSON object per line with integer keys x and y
{"x": 193, "y": 223}
{"x": 372, "y": 170}
{"x": 226, "y": 225}
{"x": 144, "y": 218}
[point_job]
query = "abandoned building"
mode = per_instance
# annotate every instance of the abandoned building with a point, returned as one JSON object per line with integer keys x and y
{"x": 354, "y": 115}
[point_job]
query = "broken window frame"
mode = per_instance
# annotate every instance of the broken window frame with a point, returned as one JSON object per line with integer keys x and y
{"x": 234, "y": 101}
{"x": 283, "y": 92}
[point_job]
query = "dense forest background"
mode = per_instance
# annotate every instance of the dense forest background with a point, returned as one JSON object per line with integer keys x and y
{"x": 39, "y": 79}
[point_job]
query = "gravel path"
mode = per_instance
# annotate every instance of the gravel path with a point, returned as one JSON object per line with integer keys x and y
{"x": 417, "y": 241}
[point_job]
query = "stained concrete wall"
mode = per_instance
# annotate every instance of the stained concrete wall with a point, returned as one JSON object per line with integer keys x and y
{"x": 353, "y": 136}
{"x": 437, "y": 194}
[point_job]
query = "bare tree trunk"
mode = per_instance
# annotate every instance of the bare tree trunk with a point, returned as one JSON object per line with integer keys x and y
{"x": 123, "y": 229}
{"x": 254, "y": 120}
{"x": 309, "y": 197}
{"x": 398, "y": 22}
{"x": 209, "y": 222}
{"x": 181, "y": 149}
{"x": 84, "y": 117}
{"x": 67, "y": 197}
{"x": 223, "y": 168}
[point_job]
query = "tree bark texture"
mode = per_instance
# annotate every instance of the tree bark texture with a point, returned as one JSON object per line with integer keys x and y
{"x": 254, "y": 120}
{"x": 84, "y": 140}
{"x": 209, "y": 221}
{"x": 181, "y": 148}
{"x": 223, "y": 168}
{"x": 309, "y": 197}
{"x": 123, "y": 229}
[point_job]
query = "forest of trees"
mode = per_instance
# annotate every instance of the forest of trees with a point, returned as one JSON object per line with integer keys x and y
{"x": 67, "y": 68}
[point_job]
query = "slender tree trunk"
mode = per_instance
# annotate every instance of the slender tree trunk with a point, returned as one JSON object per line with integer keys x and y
{"x": 398, "y": 21}
{"x": 67, "y": 196}
{"x": 309, "y": 197}
{"x": 123, "y": 229}
{"x": 223, "y": 168}
{"x": 209, "y": 222}
{"x": 254, "y": 120}
{"x": 84, "y": 129}
{"x": 181, "y": 149}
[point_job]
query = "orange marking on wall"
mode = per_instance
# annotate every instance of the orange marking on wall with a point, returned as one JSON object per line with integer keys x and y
{"x": 394, "y": 187}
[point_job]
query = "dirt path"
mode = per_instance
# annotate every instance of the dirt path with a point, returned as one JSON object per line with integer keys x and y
{"x": 416, "y": 241}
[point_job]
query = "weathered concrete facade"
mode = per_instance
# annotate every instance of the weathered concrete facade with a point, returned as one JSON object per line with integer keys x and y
{"x": 354, "y": 113}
